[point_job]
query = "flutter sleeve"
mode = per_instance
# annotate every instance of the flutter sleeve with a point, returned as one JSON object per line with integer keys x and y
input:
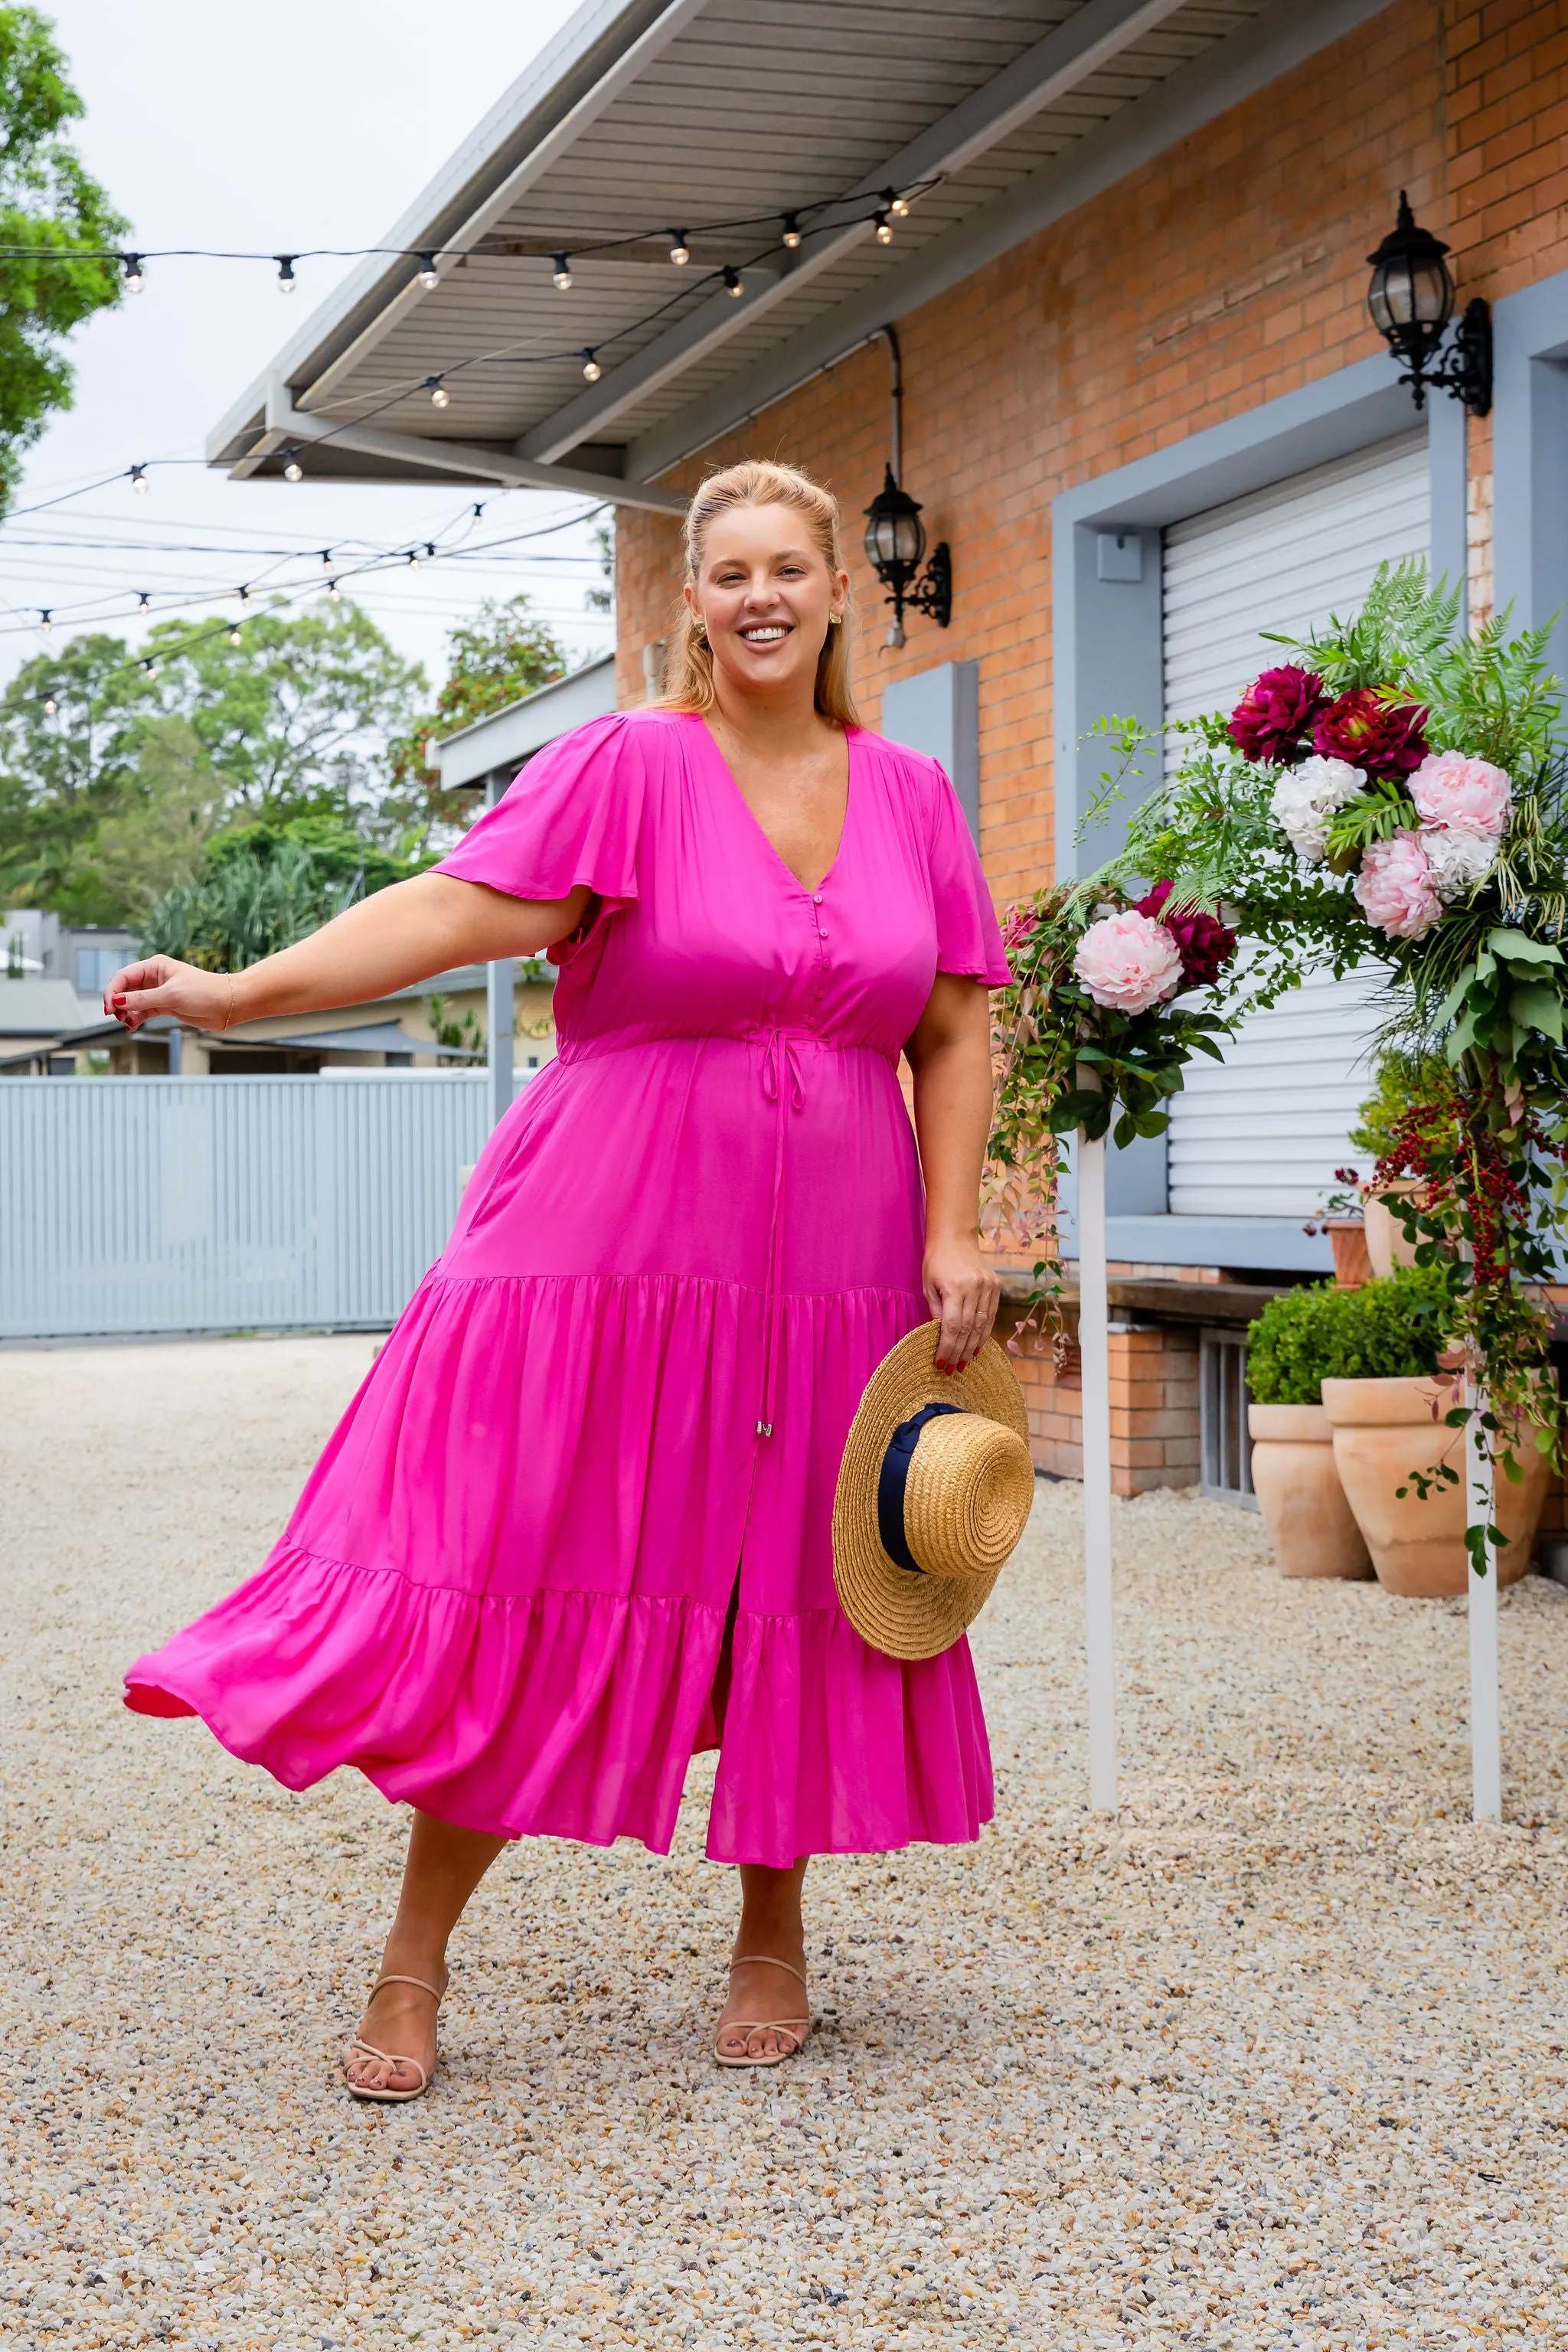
{"x": 968, "y": 942}
{"x": 573, "y": 816}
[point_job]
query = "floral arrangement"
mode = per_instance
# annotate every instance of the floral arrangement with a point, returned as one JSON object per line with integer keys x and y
{"x": 1393, "y": 791}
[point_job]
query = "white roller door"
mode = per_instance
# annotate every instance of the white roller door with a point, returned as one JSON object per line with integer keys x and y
{"x": 1263, "y": 1135}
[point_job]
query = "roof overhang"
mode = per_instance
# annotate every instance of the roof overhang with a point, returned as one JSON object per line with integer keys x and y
{"x": 642, "y": 117}
{"x": 503, "y": 740}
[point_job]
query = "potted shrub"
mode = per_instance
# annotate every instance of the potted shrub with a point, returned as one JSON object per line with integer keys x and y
{"x": 1386, "y": 1395}
{"x": 1294, "y": 1344}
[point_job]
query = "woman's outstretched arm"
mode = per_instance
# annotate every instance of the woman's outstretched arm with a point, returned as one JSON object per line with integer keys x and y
{"x": 408, "y": 932}
{"x": 950, "y": 1055}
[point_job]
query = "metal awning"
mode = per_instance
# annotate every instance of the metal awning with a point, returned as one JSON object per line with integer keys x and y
{"x": 647, "y": 117}
{"x": 501, "y": 741}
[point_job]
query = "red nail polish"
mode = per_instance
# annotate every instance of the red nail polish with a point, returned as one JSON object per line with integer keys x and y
{"x": 116, "y": 1000}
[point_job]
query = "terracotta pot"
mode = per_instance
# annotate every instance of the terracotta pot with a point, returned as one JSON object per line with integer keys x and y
{"x": 1385, "y": 1429}
{"x": 1386, "y": 1246}
{"x": 1351, "y": 1264}
{"x": 1309, "y": 1523}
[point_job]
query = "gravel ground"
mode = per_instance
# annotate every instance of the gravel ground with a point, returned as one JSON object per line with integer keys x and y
{"x": 1277, "y": 2059}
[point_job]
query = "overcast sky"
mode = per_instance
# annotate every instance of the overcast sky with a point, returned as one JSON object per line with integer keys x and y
{"x": 309, "y": 122}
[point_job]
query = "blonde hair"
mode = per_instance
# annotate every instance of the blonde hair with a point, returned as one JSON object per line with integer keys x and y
{"x": 689, "y": 666}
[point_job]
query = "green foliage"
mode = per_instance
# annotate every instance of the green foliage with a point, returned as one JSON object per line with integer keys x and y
{"x": 1384, "y": 1330}
{"x": 260, "y": 888}
{"x": 459, "y": 1032}
{"x": 1400, "y": 1076}
{"x": 50, "y": 203}
{"x": 154, "y": 835}
{"x": 498, "y": 659}
{"x": 293, "y": 718}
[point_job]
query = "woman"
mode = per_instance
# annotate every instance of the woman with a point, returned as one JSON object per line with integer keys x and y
{"x": 575, "y": 1524}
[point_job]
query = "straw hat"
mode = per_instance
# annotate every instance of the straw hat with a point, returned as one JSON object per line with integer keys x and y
{"x": 937, "y": 1469}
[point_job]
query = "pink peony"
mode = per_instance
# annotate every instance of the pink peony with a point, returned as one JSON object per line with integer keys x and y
{"x": 1018, "y": 929}
{"x": 1206, "y": 945}
{"x": 1397, "y": 888}
{"x": 1275, "y": 715}
{"x": 1386, "y": 739}
{"x": 1128, "y": 961}
{"x": 1469, "y": 795}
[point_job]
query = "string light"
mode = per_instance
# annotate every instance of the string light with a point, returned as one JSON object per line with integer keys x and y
{"x": 150, "y": 667}
{"x": 51, "y": 705}
{"x": 679, "y": 251}
{"x": 563, "y": 263}
{"x": 326, "y": 559}
{"x": 899, "y": 205}
{"x": 139, "y": 480}
{"x": 884, "y": 228}
{"x": 131, "y": 265}
{"x": 733, "y": 284}
{"x": 792, "y": 231}
{"x": 590, "y": 369}
{"x": 428, "y": 275}
{"x": 286, "y": 278}
{"x": 244, "y": 595}
{"x": 236, "y": 635}
{"x": 332, "y": 592}
{"x": 292, "y": 469}
{"x": 440, "y": 396}
{"x": 144, "y": 602}
{"x": 414, "y": 559}
{"x": 46, "y": 621}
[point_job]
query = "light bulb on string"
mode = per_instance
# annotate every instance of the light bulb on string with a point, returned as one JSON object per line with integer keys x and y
{"x": 440, "y": 396}
{"x": 792, "y": 232}
{"x": 51, "y": 705}
{"x": 884, "y": 228}
{"x": 562, "y": 267}
{"x": 150, "y": 667}
{"x": 236, "y": 635}
{"x": 898, "y": 205}
{"x": 46, "y": 621}
{"x": 734, "y": 285}
{"x": 679, "y": 251}
{"x": 414, "y": 559}
{"x": 139, "y": 480}
{"x": 326, "y": 559}
{"x": 286, "y": 278}
{"x": 244, "y": 595}
{"x": 334, "y": 593}
{"x": 428, "y": 275}
{"x": 592, "y": 371}
{"x": 144, "y": 601}
{"x": 292, "y": 469}
{"x": 478, "y": 508}
{"x": 131, "y": 265}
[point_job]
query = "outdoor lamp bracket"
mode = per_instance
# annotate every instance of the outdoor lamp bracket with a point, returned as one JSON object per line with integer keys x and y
{"x": 895, "y": 542}
{"x": 1411, "y": 299}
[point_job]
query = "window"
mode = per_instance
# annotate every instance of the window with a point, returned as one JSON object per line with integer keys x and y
{"x": 96, "y": 967}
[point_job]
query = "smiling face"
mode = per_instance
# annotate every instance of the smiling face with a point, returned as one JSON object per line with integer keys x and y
{"x": 765, "y": 596}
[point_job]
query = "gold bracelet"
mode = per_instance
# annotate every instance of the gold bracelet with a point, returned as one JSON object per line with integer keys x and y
{"x": 229, "y": 1011}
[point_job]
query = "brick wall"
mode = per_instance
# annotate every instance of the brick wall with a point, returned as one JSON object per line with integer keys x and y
{"x": 1154, "y": 1406}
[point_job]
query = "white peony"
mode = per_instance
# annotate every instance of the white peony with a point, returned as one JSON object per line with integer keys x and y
{"x": 1457, "y": 858}
{"x": 1305, "y": 798}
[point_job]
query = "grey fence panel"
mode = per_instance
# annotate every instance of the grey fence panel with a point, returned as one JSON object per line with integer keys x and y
{"x": 221, "y": 1204}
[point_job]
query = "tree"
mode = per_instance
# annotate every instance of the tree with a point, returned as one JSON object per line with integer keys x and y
{"x": 49, "y": 202}
{"x": 154, "y": 839}
{"x": 70, "y": 741}
{"x": 260, "y": 888}
{"x": 294, "y": 716}
{"x": 500, "y": 656}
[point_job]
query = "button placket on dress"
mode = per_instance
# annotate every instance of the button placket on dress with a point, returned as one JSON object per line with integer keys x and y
{"x": 783, "y": 1083}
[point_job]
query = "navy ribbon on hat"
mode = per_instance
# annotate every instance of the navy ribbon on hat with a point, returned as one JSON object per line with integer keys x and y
{"x": 892, "y": 1480}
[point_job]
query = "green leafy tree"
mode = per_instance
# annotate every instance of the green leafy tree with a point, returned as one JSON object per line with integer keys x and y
{"x": 504, "y": 653}
{"x": 48, "y": 202}
{"x": 295, "y": 715}
{"x": 152, "y": 838}
{"x": 70, "y": 741}
{"x": 260, "y": 888}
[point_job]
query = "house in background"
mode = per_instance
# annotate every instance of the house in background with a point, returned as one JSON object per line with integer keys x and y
{"x": 1092, "y": 279}
{"x": 33, "y": 944}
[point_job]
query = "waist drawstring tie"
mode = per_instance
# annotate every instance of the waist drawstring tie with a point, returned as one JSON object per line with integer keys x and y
{"x": 783, "y": 1082}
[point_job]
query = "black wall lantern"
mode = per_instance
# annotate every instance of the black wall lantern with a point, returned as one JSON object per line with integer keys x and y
{"x": 895, "y": 535}
{"x": 1411, "y": 299}
{"x": 895, "y": 542}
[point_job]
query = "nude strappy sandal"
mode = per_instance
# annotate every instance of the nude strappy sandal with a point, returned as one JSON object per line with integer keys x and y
{"x": 796, "y": 2028}
{"x": 358, "y": 2047}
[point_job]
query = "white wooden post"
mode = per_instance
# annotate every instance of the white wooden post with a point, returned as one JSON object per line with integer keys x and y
{"x": 1093, "y": 1330}
{"x": 1486, "y": 1746}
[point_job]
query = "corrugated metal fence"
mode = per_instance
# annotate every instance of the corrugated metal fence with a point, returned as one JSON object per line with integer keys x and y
{"x": 222, "y": 1204}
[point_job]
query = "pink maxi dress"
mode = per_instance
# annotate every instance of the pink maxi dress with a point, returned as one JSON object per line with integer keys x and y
{"x": 611, "y": 1417}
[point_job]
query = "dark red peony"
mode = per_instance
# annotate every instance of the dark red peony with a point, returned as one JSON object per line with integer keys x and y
{"x": 1274, "y": 717}
{"x": 1206, "y": 945}
{"x": 1018, "y": 929}
{"x": 1386, "y": 739}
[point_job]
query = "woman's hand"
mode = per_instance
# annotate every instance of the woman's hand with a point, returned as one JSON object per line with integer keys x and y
{"x": 963, "y": 1293}
{"x": 160, "y": 985}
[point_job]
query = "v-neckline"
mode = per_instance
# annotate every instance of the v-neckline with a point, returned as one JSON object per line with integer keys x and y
{"x": 807, "y": 889}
